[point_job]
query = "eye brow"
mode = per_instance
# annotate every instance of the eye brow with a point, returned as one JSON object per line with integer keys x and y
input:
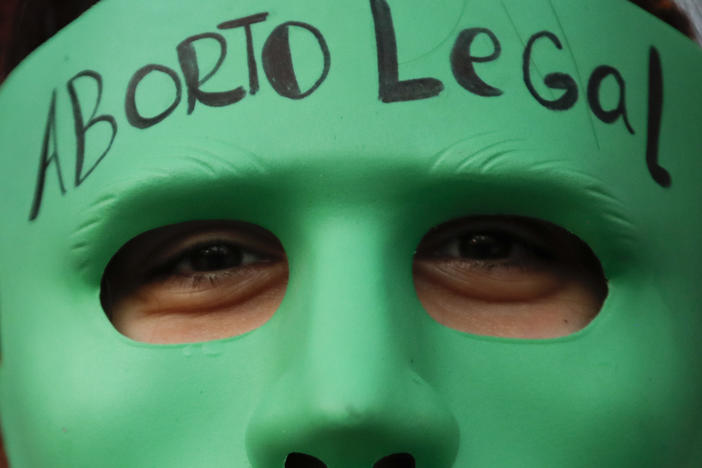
{"x": 158, "y": 193}
{"x": 495, "y": 170}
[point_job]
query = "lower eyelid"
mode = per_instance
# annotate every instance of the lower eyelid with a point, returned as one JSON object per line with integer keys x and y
{"x": 500, "y": 284}
{"x": 238, "y": 273}
{"x": 511, "y": 266}
{"x": 198, "y": 280}
{"x": 469, "y": 264}
{"x": 209, "y": 290}
{"x": 522, "y": 262}
{"x": 175, "y": 265}
{"x": 492, "y": 269}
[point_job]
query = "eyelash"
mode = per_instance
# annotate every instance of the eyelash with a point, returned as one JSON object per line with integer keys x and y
{"x": 523, "y": 255}
{"x": 196, "y": 280}
{"x": 169, "y": 268}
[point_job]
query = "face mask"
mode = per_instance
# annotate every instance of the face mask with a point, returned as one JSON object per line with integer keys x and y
{"x": 349, "y": 132}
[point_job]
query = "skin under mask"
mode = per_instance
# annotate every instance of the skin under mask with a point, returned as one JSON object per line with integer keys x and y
{"x": 353, "y": 234}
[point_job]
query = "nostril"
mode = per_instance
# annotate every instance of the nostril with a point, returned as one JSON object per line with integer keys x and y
{"x": 301, "y": 460}
{"x": 396, "y": 460}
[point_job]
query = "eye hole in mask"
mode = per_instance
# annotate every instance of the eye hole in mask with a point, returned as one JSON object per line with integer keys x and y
{"x": 508, "y": 276}
{"x": 195, "y": 281}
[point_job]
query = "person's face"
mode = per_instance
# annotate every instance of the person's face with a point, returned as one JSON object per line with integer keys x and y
{"x": 495, "y": 265}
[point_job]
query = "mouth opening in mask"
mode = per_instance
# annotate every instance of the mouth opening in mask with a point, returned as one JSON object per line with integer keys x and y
{"x": 396, "y": 460}
{"x": 301, "y": 460}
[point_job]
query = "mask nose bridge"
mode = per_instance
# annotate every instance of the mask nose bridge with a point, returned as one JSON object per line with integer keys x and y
{"x": 348, "y": 279}
{"x": 348, "y": 394}
{"x": 352, "y": 321}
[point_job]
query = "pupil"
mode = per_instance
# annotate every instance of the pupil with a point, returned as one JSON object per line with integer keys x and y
{"x": 485, "y": 246}
{"x": 215, "y": 257}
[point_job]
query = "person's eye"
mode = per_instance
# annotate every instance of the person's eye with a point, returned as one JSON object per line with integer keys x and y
{"x": 195, "y": 281}
{"x": 491, "y": 247}
{"x": 508, "y": 276}
{"x": 207, "y": 256}
{"x": 215, "y": 256}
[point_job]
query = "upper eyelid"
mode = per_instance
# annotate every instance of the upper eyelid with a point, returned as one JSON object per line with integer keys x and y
{"x": 161, "y": 249}
{"x": 523, "y": 257}
{"x": 184, "y": 243}
{"x": 159, "y": 261}
{"x": 172, "y": 265}
{"x": 498, "y": 157}
{"x": 552, "y": 191}
{"x": 111, "y": 220}
{"x": 179, "y": 255}
{"x": 521, "y": 229}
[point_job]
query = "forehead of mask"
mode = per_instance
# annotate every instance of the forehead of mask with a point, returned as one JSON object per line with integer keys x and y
{"x": 360, "y": 125}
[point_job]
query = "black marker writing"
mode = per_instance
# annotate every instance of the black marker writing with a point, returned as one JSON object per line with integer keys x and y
{"x": 246, "y": 22}
{"x": 130, "y": 105}
{"x": 391, "y": 89}
{"x": 277, "y": 61}
{"x": 81, "y": 127}
{"x": 552, "y": 80}
{"x": 187, "y": 57}
{"x": 593, "y": 96}
{"x": 277, "y": 64}
{"x": 276, "y": 58}
{"x": 655, "y": 116}
{"x": 49, "y": 155}
{"x": 462, "y": 62}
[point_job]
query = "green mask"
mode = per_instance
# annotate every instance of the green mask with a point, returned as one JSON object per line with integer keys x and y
{"x": 350, "y": 131}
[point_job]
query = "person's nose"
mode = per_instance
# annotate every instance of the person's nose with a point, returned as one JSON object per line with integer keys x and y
{"x": 348, "y": 396}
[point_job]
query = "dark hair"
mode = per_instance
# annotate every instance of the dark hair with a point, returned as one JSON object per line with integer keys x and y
{"x": 25, "y": 24}
{"x": 669, "y": 12}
